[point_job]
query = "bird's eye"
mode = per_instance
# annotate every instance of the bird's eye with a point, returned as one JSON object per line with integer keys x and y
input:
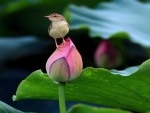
{"x": 55, "y": 16}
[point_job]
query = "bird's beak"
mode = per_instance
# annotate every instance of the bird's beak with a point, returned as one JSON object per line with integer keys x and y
{"x": 46, "y": 16}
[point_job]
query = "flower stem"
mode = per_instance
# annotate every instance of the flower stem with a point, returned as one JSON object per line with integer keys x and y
{"x": 62, "y": 105}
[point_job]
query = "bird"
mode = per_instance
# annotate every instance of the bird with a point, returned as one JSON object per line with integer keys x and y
{"x": 58, "y": 28}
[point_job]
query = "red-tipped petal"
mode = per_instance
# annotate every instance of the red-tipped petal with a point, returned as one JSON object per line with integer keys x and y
{"x": 65, "y": 64}
{"x": 75, "y": 63}
{"x": 59, "y": 53}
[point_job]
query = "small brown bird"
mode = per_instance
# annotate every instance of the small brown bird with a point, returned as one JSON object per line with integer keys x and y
{"x": 58, "y": 28}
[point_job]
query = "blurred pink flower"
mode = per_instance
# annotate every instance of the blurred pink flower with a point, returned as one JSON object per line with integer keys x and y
{"x": 107, "y": 56}
{"x": 65, "y": 64}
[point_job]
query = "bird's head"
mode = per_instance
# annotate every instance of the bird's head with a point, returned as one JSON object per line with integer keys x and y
{"x": 55, "y": 17}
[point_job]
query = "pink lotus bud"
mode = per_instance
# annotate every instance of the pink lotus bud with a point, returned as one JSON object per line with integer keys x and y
{"x": 107, "y": 56}
{"x": 65, "y": 64}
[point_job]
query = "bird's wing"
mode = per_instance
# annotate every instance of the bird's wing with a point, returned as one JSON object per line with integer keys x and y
{"x": 49, "y": 28}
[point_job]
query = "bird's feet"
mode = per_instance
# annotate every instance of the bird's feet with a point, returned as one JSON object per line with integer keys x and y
{"x": 64, "y": 42}
{"x": 61, "y": 45}
{"x": 57, "y": 46}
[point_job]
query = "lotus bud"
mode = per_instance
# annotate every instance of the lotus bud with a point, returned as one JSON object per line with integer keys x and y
{"x": 65, "y": 64}
{"x": 107, "y": 56}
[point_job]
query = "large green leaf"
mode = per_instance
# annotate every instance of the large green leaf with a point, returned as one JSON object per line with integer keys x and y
{"x": 80, "y": 108}
{"x": 96, "y": 85}
{"x": 119, "y": 17}
{"x": 4, "y": 108}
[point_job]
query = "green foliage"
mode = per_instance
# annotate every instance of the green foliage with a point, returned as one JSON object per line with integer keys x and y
{"x": 23, "y": 16}
{"x": 117, "y": 18}
{"x": 96, "y": 85}
{"x": 4, "y": 108}
{"x": 80, "y": 108}
{"x": 121, "y": 19}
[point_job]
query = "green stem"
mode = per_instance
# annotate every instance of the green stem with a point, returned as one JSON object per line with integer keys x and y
{"x": 62, "y": 105}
